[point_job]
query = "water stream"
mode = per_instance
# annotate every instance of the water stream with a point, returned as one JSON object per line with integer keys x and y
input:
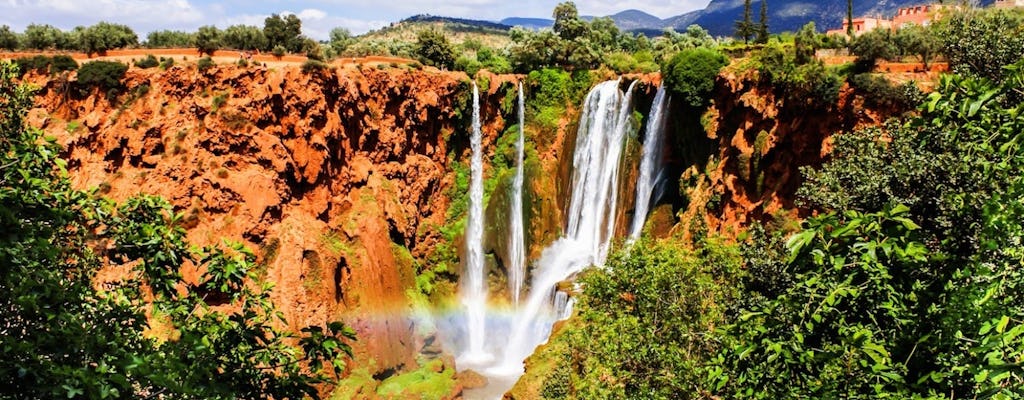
{"x": 651, "y": 165}
{"x": 474, "y": 290}
{"x": 516, "y": 234}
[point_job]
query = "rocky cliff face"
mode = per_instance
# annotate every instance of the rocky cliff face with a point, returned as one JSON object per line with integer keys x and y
{"x": 742, "y": 159}
{"x": 337, "y": 178}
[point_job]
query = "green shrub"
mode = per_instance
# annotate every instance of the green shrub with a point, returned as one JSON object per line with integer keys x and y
{"x": 148, "y": 62}
{"x": 46, "y": 65}
{"x": 61, "y": 62}
{"x": 218, "y": 101}
{"x": 468, "y": 64}
{"x": 982, "y": 42}
{"x": 311, "y": 66}
{"x": 279, "y": 51}
{"x": 205, "y": 63}
{"x": 883, "y": 94}
{"x": 691, "y": 74}
{"x": 166, "y": 63}
{"x": 103, "y": 74}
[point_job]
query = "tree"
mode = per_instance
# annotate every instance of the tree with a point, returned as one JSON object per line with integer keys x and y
{"x": 805, "y": 43}
{"x": 169, "y": 39}
{"x": 66, "y": 336}
{"x": 208, "y": 39}
{"x": 849, "y": 19}
{"x": 568, "y": 24}
{"x": 8, "y": 39}
{"x": 105, "y": 36}
{"x": 243, "y": 37}
{"x": 744, "y": 28}
{"x": 283, "y": 31}
{"x": 691, "y": 74}
{"x": 433, "y": 48}
{"x": 43, "y": 37}
{"x": 762, "y": 25}
{"x": 340, "y": 39}
{"x": 920, "y": 41}
{"x": 872, "y": 46}
{"x": 980, "y": 43}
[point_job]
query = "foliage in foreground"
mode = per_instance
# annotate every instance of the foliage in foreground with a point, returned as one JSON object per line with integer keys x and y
{"x": 905, "y": 286}
{"x": 66, "y": 335}
{"x": 645, "y": 322}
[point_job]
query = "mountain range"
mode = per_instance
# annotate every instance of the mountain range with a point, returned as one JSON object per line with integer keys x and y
{"x": 720, "y": 16}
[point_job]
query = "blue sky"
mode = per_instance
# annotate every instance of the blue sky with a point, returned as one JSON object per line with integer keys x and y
{"x": 318, "y": 16}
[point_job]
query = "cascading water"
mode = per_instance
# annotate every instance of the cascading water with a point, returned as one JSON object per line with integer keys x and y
{"x": 599, "y": 145}
{"x": 650, "y": 163}
{"x": 474, "y": 290}
{"x": 516, "y": 236}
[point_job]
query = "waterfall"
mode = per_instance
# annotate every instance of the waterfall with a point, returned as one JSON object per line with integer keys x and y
{"x": 474, "y": 291}
{"x": 516, "y": 236}
{"x": 650, "y": 162}
{"x": 591, "y": 220}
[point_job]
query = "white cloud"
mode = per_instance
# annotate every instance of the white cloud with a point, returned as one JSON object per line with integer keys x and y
{"x": 69, "y": 13}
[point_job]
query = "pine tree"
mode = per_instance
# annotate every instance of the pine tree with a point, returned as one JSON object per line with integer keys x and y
{"x": 762, "y": 26}
{"x": 849, "y": 18}
{"x": 745, "y": 28}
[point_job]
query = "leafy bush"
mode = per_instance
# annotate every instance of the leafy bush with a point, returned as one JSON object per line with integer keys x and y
{"x": 873, "y": 46}
{"x": 982, "y": 42}
{"x": 103, "y": 74}
{"x": 279, "y": 51}
{"x": 311, "y": 66}
{"x": 883, "y": 94}
{"x": 61, "y": 63}
{"x": 646, "y": 321}
{"x": 468, "y": 64}
{"x": 433, "y": 48}
{"x": 147, "y": 62}
{"x": 691, "y": 74}
{"x": 205, "y": 63}
{"x": 166, "y": 63}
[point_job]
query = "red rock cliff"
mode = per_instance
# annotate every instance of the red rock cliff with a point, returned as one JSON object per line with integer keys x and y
{"x": 329, "y": 175}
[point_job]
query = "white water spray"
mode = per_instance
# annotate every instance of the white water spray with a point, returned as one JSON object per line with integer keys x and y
{"x": 599, "y": 145}
{"x": 516, "y": 235}
{"x": 651, "y": 162}
{"x": 474, "y": 291}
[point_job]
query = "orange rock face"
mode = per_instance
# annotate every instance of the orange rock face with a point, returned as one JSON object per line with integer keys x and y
{"x": 760, "y": 143}
{"x": 331, "y": 176}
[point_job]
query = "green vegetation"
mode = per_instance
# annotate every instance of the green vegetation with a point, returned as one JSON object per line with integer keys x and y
{"x": 433, "y": 48}
{"x": 46, "y": 65}
{"x": 105, "y": 75}
{"x": 981, "y": 42}
{"x": 147, "y": 62}
{"x": 69, "y": 336}
{"x": 691, "y": 74}
{"x": 903, "y": 285}
{"x": 645, "y": 323}
{"x": 106, "y": 36}
{"x": 207, "y": 39}
{"x": 205, "y": 63}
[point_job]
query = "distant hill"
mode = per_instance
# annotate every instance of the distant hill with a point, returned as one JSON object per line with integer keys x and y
{"x": 720, "y": 16}
{"x": 635, "y": 19}
{"x": 458, "y": 21}
{"x": 529, "y": 23}
{"x": 458, "y": 30}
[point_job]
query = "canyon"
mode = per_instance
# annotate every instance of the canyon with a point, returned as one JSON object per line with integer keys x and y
{"x": 346, "y": 181}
